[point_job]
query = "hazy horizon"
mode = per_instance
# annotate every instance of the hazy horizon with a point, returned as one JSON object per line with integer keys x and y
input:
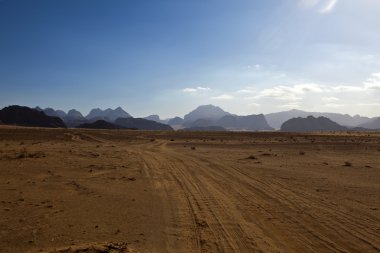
{"x": 168, "y": 57}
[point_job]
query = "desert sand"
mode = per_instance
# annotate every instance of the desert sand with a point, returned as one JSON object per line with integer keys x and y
{"x": 70, "y": 190}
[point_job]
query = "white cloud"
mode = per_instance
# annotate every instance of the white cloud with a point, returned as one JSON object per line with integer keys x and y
{"x": 373, "y": 82}
{"x": 279, "y": 92}
{"x": 369, "y": 104}
{"x": 291, "y": 105}
{"x": 330, "y": 99}
{"x": 255, "y": 67}
{"x": 223, "y": 97}
{"x": 334, "y": 105}
{"x": 203, "y": 88}
{"x": 347, "y": 88}
{"x": 246, "y": 91}
{"x": 189, "y": 90}
{"x": 309, "y": 87}
{"x": 284, "y": 92}
{"x": 196, "y": 89}
{"x": 341, "y": 98}
{"x": 329, "y": 6}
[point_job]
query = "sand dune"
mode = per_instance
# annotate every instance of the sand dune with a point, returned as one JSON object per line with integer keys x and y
{"x": 133, "y": 191}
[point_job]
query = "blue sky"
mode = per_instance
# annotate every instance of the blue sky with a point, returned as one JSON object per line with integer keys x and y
{"x": 169, "y": 56}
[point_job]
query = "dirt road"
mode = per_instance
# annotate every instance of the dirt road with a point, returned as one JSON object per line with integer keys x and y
{"x": 188, "y": 192}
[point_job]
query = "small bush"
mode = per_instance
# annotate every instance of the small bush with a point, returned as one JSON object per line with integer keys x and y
{"x": 347, "y": 164}
{"x": 22, "y": 154}
{"x": 25, "y": 154}
{"x": 252, "y": 157}
{"x": 192, "y": 148}
{"x": 302, "y": 153}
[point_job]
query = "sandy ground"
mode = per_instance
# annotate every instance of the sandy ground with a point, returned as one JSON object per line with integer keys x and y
{"x": 130, "y": 191}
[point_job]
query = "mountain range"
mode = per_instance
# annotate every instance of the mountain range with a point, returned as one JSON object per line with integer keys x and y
{"x": 275, "y": 120}
{"x": 205, "y": 117}
{"x": 25, "y": 116}
{"x": 311, "y": 124}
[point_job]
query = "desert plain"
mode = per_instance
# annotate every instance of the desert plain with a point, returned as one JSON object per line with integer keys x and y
{"x": 70, "y": 190}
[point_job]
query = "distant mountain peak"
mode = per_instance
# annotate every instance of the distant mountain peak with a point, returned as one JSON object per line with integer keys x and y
{"x": 153, "y": 117}
{"x": 276, "y": 119}
{"x": 25, "y": 116}
{"x": 74, "y": 114}
{"x": 311, "y": 124}
{"x": 206, "y": 111}
{"x": 107, "y": 114}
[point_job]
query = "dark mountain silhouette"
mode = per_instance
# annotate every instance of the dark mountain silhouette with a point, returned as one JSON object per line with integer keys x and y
{"x": 117, "y": 113}
{"x": 74, "y": 118}
{"x": 100, "y": 124}
{"x": 73, "y": 122}
{"x": 175, "y": 121}
{"x": 141, "y": 124}
{"x": 361, "y": 129}
{"x": 373, "y": 124}
{"x": 95, "y": 113}
{"x": 74, "y": 114}
{"x": 209, "y": 115}
{"x": 205, "y": 112}
{"x": 250, "y": 122}
{"x": 108, "y": 114}
{"x": 25, "y": 116}
{"x": 200, "y": 123}
{"x": 207, "y": 128}
{"x": 60, "y": 113}
{"x": 92, "y": 120}
{"x": 276, "y": 119}
{"x": 153, "y": 117}
{"x": 50, "y": 112}
{"x": 311, "y": 124}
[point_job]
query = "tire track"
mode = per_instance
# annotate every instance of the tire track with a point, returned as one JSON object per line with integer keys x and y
{"x": 223, "y": 208}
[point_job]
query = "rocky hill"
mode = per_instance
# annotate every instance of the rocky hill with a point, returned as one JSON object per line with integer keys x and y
{"x": 108, "y": 114}
{"x": 175, "y": 121}
{"x": 311, "y": 124}
{"x": 373, "y": 124}
{"x": 276, "y": 119}
{"x": 25, "y": 116}
{"x": 205, "y": 112}
{"x": 250, "y": 122}
{"x": 100, "y": 124}
{"x": 207, "y": 128}
{"x": 141, "y": 124}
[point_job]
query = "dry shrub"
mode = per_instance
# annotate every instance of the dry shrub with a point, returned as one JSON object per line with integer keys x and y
{"x": 25, "y": 154}
{"x": 347, "y": 164}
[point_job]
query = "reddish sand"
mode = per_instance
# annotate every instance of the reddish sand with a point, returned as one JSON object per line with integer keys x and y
{"x": 131, "y": 191}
